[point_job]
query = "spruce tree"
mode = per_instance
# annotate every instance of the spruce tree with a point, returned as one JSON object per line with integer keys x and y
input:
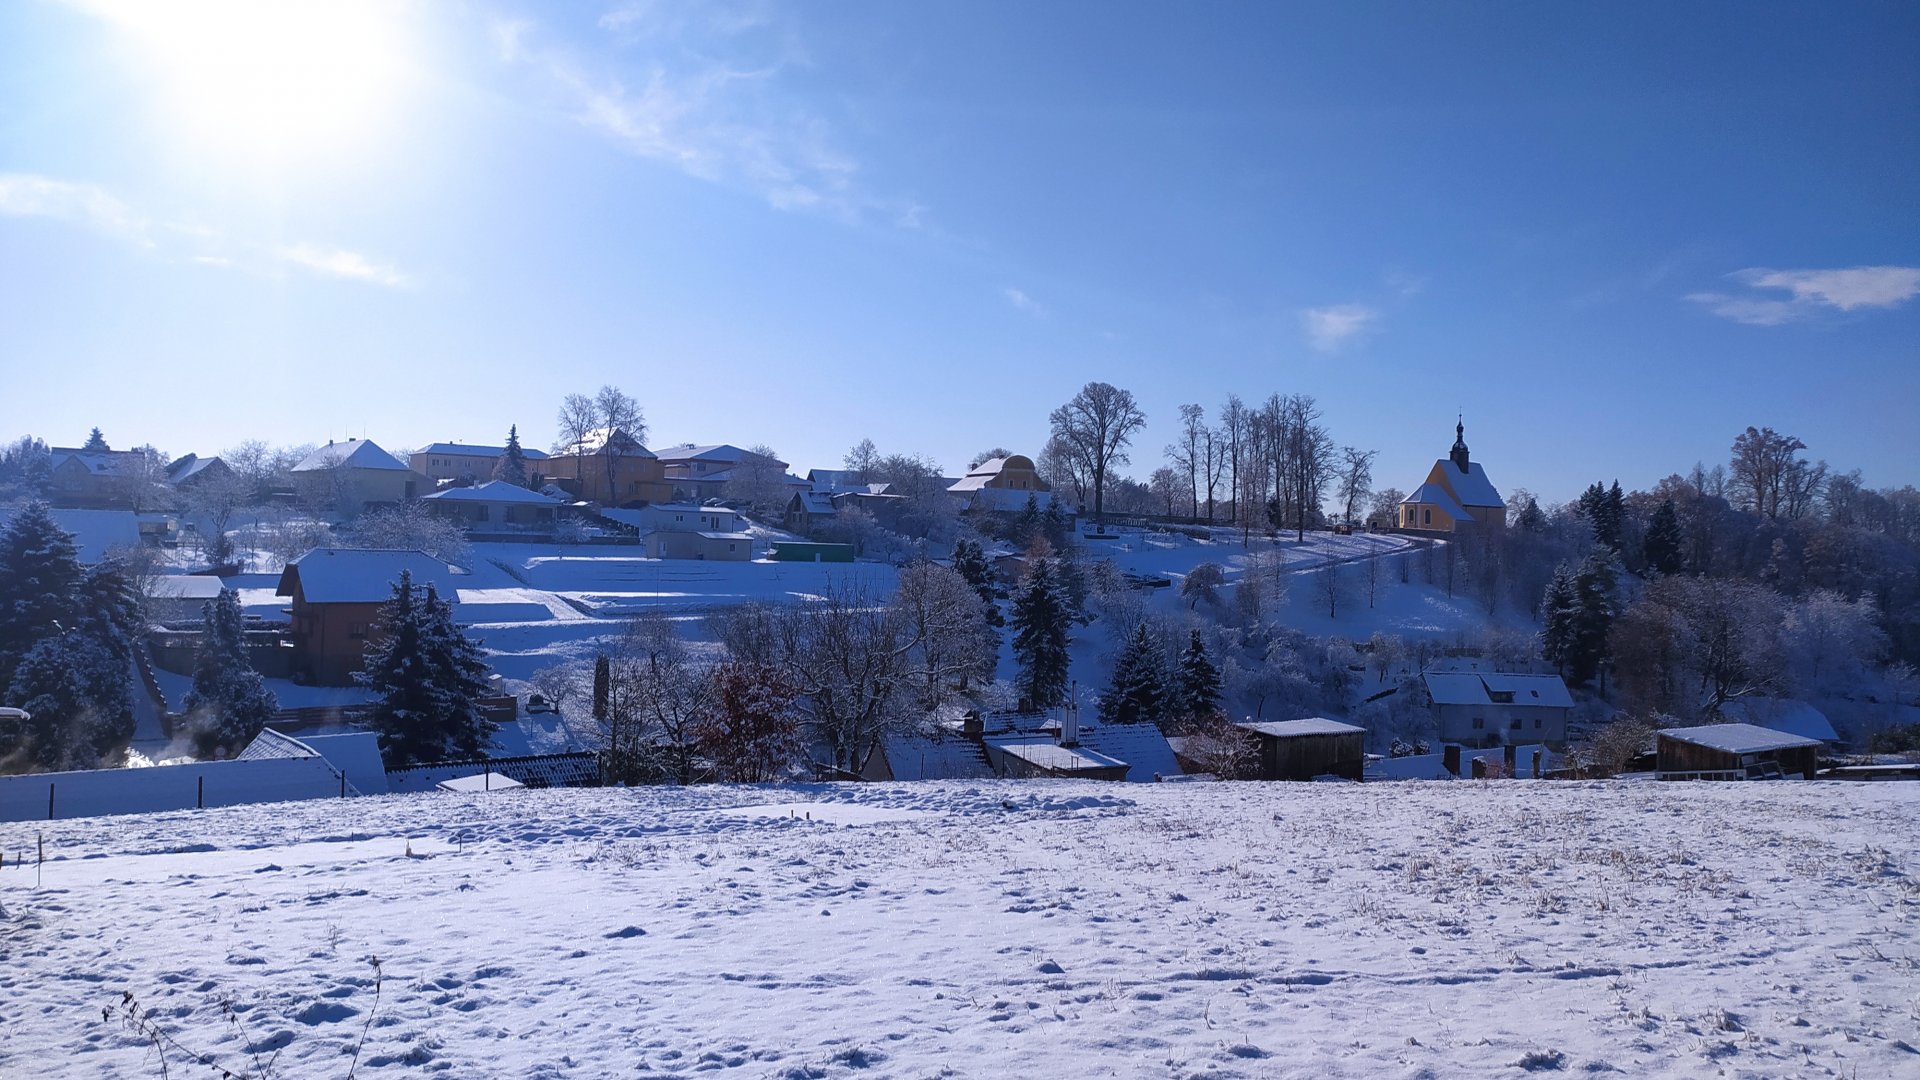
{"x": 1578, "y": 612}
{"x": 1027, "y": 525}
{"x": 1040, "y": 637}
{"x": 428, "y": 676}
{"x": 40, "y": 579}
{"x": 1139, "y": 692}
{"x": 970, "y": 562}
{"x": 1055, "y": 523}
{"x": 78, "y": 695}
{"x": 602, "y": 686}
{"x": 1198, "y": 696}
{"x": 1557, "y": 612}
{"x": 512, "y": 464}
{"x": 96, "y": 442}
{"x": 1664, "y": 541}
{"x": 1604, "y": 512}
{"x": 229, "y": 702}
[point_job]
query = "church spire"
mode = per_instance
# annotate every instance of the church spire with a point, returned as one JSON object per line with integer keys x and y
{"x": 1459, "y": 452}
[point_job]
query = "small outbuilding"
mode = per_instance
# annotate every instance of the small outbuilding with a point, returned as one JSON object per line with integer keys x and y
{"x": 1304, "y": 749}
{"x": 1734, "y": 752}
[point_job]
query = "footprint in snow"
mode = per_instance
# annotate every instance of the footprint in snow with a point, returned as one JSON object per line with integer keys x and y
{"x": 626, "y": 932}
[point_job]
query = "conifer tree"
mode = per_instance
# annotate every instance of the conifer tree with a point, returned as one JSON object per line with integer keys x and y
{"x": 1664, "y": 541}
{"x": 1578, "y": 611}
{"x": 1199, "y": 686}
{"x": 78, "y": 695}
{"x": 39, "y": 585}
{"x": 970, "y": 562}
{"x": 1040, "y": 637}
{"x": 96, "y": 442}
{"x": 1557, "y": 618}
{"x": 427, "y": 675}
{"x": 1605, "y": 513}
{"x": 1139, "y": 692}
{"x": 229, "y": 702}
{"x": 602, "y": 686}
{"x": 1027, "y": 525}
{"x": 512, "y": 463}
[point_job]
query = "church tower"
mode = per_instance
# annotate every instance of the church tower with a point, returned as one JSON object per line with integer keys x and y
{"x": 1459, "y": 452}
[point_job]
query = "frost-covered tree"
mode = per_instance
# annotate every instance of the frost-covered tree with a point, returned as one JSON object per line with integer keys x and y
{"x": 1203, "y": 583}
{"x": 1040, "y": 621}
{"x": 428, "y": 678}
{"x": 229, "y": 702}
{"x": 1139, "y": 693}
{"x": 952, "y": 645}
{"x": 1197, "y": 689}
{"x": 410, "y": 526}
{"x": 80, "y": 699}
{"x": 512, "y": 463}
{"x": 657, "y": 696}
{"x": 39, "y": 584}
{"x": 1664, "y": 542}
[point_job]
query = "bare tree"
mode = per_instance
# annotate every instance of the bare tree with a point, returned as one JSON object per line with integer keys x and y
{"x": 1233, "y": 432}
{"x": 1356, "y": 478}
{"x": 1331, "y": 584}
{"x": 860, "y": 460}
{"x": 1097, "y": 426}
{"x": 988, "y": 455}
{"x": 953, "y": 645}
{"x": 1061, "y": 468}
{"x": 1188, "y": 452}
{"x": 1213, "y": 465}
{"x": 607, "y": 422}
{"x": 1166, "y": 487}
{"x": 212, "y": 501}
{"x": 759, "y": 482}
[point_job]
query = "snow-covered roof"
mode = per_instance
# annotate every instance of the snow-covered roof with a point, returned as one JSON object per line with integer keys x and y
{"x": 1290, "y": 729}
{"x": 352, "y": 454}
{"x": 1737, "y": 738}
{"x": 1435, "y": 495}
{"x": 615, "y": 443}
{"x": 96, "y": 533}
{"x": 1471, "y": 487}
{"x": 723, "y": 453}
{"x": 184, "y": 587}
{"x": 935, "y": 757}
{"x": 361, "y": 575}
{"x": 454, "y": 449}
{"x": 98, "y": 462}
{"x": 728, "y": 536}
{"x": 1146, "y": 751}
{"x": 1054, "y": 758}
{"x": 189, "y": 466}
{"x": 1479, "y": 688}
{"x": 494, "y": 491}
{"x": 816, "y": 502}
{"x": 1782, "y": 714}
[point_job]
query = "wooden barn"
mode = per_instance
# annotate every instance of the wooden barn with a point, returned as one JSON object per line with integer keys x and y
{"x": 1304, "y": 749}
{"x": 1734, "y": 752}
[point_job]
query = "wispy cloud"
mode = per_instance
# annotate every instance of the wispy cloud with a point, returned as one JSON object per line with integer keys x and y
{"x": 700, "y": 90}
{"x": 1022, "y": 302}
{"x": 93, "y": 207}
{"x": 1810, "y": 292}
{"x": 1405, "y": 284}
{"x": 1330, "y": 329}
{"x": 333, "y": 262}
{"x": 28, "y": 195}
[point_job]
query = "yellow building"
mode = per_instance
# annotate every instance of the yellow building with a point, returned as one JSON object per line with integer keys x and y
{"x": 607, "y": 467}
{"x": 1456, "y": 494}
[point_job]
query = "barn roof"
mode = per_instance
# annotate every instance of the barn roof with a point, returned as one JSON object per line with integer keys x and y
{"x": 1044, "y": 753}
{"x": 1737, "y": 738}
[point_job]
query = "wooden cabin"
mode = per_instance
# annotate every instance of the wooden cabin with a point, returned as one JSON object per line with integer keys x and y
{"x": 1304, "y": 749}
{"x": 1734, "y": 752}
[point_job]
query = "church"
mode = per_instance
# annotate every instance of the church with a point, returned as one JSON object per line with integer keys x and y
{"x": 1457, "y": 494}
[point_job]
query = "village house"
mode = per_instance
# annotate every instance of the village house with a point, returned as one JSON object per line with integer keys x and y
{"x": 676, "y": 517}
{"x": 1456, "y": 495}
{"x": 607, "y": 467}
{"x": 98, "y": 535}
{"x": 1309, "y": 748}
{"x": 1475, "y": 708}
{"x": 699, "y": 473}
{"x": 1002, "y": 484}
{"x": 190, "y": 470}
{"x": 355, "y": 474}
{"x": 496, "y": 506}
{"x": 1734, "y": 752}
{"x": 336, "y": 596}
{"x": 466, "y": 464}
{"x": 97, "y": 479}
{"x": 808, "y": 510}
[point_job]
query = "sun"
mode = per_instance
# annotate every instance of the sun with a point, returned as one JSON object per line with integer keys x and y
{"x": 267, "y": 83}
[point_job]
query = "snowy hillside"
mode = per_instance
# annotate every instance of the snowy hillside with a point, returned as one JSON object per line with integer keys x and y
{"x": 989, "y": 930}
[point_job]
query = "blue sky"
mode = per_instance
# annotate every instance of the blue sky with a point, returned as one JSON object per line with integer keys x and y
{"x": 1613, "y": 236}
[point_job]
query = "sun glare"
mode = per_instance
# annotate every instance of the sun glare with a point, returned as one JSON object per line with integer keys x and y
{"x": 268, "y": 83}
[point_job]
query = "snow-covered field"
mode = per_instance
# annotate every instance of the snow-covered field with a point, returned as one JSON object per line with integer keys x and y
{"x": 990, "y": 930}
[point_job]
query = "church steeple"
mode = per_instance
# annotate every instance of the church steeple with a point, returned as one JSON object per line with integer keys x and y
{"x": 1459, "y": 453}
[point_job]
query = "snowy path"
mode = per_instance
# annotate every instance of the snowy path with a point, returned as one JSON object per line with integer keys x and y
{"x": 992, "y": 930}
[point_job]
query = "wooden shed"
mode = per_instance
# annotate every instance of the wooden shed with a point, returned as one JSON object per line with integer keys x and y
{"x": 1734, "y": 752}
{"x": 1304, "y": 749}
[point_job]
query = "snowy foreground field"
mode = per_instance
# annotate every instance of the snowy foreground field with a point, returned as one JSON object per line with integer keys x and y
{"x": 986, "y": 930}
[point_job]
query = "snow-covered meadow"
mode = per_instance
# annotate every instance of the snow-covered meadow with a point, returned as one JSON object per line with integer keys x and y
{"x": 988, "y": 929}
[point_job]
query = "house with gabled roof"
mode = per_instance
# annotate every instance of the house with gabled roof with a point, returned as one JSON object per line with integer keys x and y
{"x": 1455, "y": 495}
{"x": 1002, "y": 484}
{"x": 351, "y": 475}
{"x": 335, "y": 596}
{"x": 702, "y": 472}
{"x": 496, "y": 506}
{"x": 188, "y": 470}
{"x": 606, "y": 466}
{"x": 465, "y": 462}
{"x": 1475, "y": 708}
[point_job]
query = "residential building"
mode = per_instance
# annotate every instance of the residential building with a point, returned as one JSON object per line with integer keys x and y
{"x": 606, "y": 467}
{"x": 496, "y": 506}
{"x": 714, "y": 546}
{"x": 336, "y": 596}
{"x": 97, "y": 479}
{"x": 699, "y": 473}
{"x": 353, "y": 475}
{"x": 98, "y": 535}
{"x": 1456, "y": 494}
{"x": 1002, "y": 484}
{"x": 808, "y": 510}
{"x": 1493, "y": 708}
{"x": 188, "y": 470}
{"x": 466, "y": 463}
{"x": 676, "y": 517}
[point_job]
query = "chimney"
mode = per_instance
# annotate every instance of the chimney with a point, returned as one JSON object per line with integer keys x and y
{"x": 970, "y": 724}
{"x": 1450, "y": 757}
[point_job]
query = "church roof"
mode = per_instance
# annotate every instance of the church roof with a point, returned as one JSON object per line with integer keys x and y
{"x": 1435, "y": 495}
{"x": 1472, "y": 486}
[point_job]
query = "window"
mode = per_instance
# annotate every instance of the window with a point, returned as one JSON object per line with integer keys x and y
{"x": 1479, "y": 723}
{"x": 1428, "y": 514}
{"x": 357, "y": 630}
{"x": 1538, "y": 723}
{"x": 1516, "y": 724}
